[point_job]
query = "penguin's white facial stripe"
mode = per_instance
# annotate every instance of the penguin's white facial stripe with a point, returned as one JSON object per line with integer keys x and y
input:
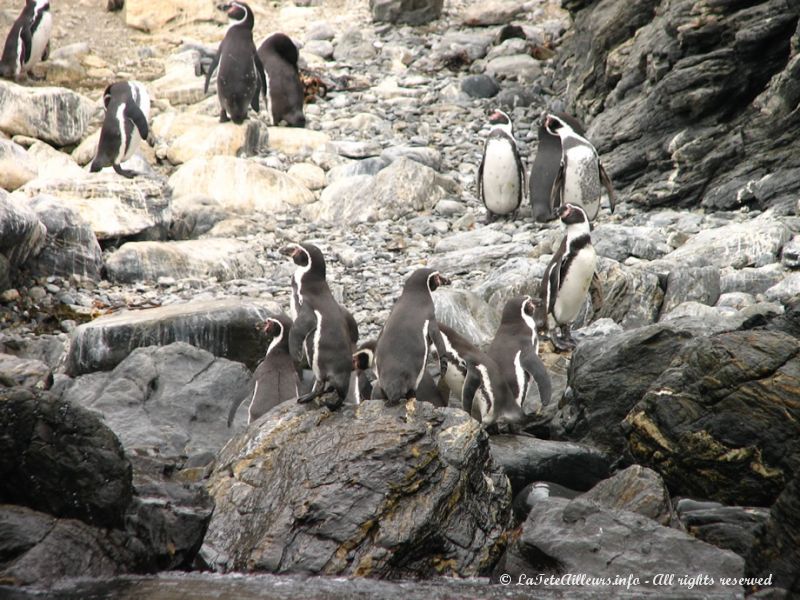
{"x": 298, "y": 275}
{"x": 277, "y": 339}
{"x": 231, "y": 12}
{"x": 124, "y": 141}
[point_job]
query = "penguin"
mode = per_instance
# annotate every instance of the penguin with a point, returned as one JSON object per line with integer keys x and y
{"x": 545, "y": 167}
{"x": 241, "y": 79}
{"x": 321, "y": 334}
{"x": 501, "y": 175}
{"x": 402, "y": 349}
{"x": 515, "y": 349}
{"x": 125, "y": 125}
{"x": 478, "y": 381}
{"x": 275, "y": 379}
{"x": 567, "y": 278}
{"x": 28, "y": 42}
{"x": 285, "y": 91}
{"x": 580, "y": 175}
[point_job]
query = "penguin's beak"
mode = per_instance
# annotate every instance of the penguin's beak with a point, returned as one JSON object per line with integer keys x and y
{"x": 223, "y": 6}
{"x": 288, "y": 250}
{"x": 442, "y": 280}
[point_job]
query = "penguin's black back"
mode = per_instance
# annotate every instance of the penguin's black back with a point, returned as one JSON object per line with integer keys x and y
{"x": 237, "y": 79}
{"x": 279, "y": 56}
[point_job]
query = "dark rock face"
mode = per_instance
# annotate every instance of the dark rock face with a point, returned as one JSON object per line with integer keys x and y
{"x": 526, "y": 459}
{"x": 480, "y": 86}
{"x": 637, "y": 489}
{"x": 24, "y": 372}
{"x": 61, "y": 459}
{"x": 731, "y": 527}
{"x": 369, "y": 491}
{"x": 21, "y": 233}
{"x": 580, "y": 536}
{"x": 722, "y": 421}
{"x": 607, "y": 377}
{"x": 227, "y": 327}
{"x": 700, "y": 284}
{"x": 693, "y": 105}
{"x": 171, "y": 400}
{"x": 411, "y": 12}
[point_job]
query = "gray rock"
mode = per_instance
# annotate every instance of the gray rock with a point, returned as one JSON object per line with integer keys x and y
{"x": 518, "y": 276}
{"x": 751, "y": 280}
{"x": 411, "y": 12}
{"x": 470, "y": 239}
{"x": 368, "y": 166}
{"x": 430, "y": 157}
{"x": 734, "y": 528}
{"x": 321, "y": 48}
{"x": 24, "y": 372}
{"x": 493, "y": 13}
{"x": 632, "y": 297}
{"x": 468, "y": 314}
{"x": 352, "y": 149}
{"x": 22, "y": 235}
{"x": 194, "y": 215}
{"x": 16, "y": 165}
{"x": 171, "y": 400}
{"x": 227, "y": 327}
{"x": 351, "y": 46}
{"x": 484, "y": 258}
{"x": 786, "y": 290}
{"x": 525, "y": 459}
{"x": 790, "y": 256}
{"x": 522, "y": 67}
{"x": 620, "y": 242}
{"x": 700, "y": 284}
{"x": 480, "y": 86}
{"x": 223, "y": 259}
{"x": 635, "y": 489}
{"x": 56, "y": 115}
{"x": 71, "y": 247}
{"x": 737, "y": 300}
{"x": 716, "y": 319}
{"x": 315, "y": 505}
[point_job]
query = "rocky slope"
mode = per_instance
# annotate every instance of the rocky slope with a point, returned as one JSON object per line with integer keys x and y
{"x": 139, "y": 299}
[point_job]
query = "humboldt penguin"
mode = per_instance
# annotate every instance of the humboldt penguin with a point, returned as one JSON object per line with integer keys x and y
{"x": 321, "y": 333}
{"x": 285, "y": 91}
{"x": 515, "y": 349}
{"x": 241, "y": 79}
{"x": 501, "y": 175}
{"x": 580, "y": 176}
{"x": 28, "y": 41}
{"x": 567, "y": 278}
{"x": 402, "y": 350}
{"x": 124, "y": 127}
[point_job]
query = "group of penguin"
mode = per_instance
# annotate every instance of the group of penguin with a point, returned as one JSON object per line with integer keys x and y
{"x": 492, "y": 385}
{"x": 245, "y": 76}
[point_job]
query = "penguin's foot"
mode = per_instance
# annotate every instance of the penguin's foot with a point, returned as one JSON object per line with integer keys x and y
{"x": 124, "y": 172}
{"x": 490, "y": 217}
{"x": 563, "y": 342}
{"x": 223, "y": 116}
{"x": 333, "y": 401}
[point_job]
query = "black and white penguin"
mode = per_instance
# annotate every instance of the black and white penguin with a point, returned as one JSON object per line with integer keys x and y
{"x": 501, "y": 175}
{"x": 321, "y": 334}
{"x": 545, "y": 168}
{"x": 275, "y": 380}
{"x": 567, "y": 278}
{"x": 401, "y": 353}
{"x": 478, "y": 381}
{"x": 515, "y": 349}
{"x": 28, "y": 42}
{"x": 241, "y": 80}
{"x": 285, "y": 91}
{"x": 124, "y": 127}
{"x": 580, "y": 177}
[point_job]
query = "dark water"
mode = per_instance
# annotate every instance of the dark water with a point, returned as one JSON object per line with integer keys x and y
{"x": 199, "y": 586}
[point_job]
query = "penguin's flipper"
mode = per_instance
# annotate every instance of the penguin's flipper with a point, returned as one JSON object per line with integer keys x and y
{"x": 262, "y": 76}
{"x": 606, "y": 181}
{"x": 553, "y": 275}
{"x": 27, "y": 44}
{"x": 211, "y": 69}
{"x": 556, "y": 191}
{"x": 441, "y": 350}
{"x": 520, "y": 176}
{"x": 46, "y": 52}
{"x": 472, "y": 382}
{"x": 302, "y": 326}
{"x": 534, "y": 366}
{"x": 352, "y": 325}
{"x": 135, "y": 114}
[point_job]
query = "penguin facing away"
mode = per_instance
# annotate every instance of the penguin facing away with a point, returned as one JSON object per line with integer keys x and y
{"x": 321, "y": 334}
{"x": 545, "y": 168}
{"x": 580, "y": 176}
{"x": 124, "y": 126}
{"x": 28, "y": 41}
{"x": 285, "y": 92}
{"x": 567, "y": 278}
{"x": 515, "y": 349}
{"x": 275, "y": 380}
{"x": 241, "y": 79}
{"x": 501, "y": 174}
{"x": 402, "y": 349}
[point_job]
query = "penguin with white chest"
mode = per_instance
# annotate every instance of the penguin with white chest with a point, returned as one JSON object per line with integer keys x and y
{"x": 580, "y": 176}
{"x": 241, "y": 79}
{"x": 285, "y": 91}
{"x": 515, "y": 349}
{"x": 28, "y": 42}
{"x": 401, "y": 353}
{"x": 125, "y": 125}
{"x": 567, "y": 278}
{"x": 321, "y": 333}
{"x": 501, "y": 173}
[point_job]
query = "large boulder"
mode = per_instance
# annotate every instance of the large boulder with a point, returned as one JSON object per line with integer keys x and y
{"x": 371, "y": 491}
{"x": 227, "y": 327}
{"x": 143, "y": 15}
{"x": 636, "y": 489}
{"x": 720, "y": 422}
{"x": 734, "y": 528}
{"x": 16, "y": 165}
{"x": 171, "y": 400}
{"x": 56, "y": 115}
{"x": 21, "y": 233}
{"x": 62, "y": 459}
{"x": 412, "y": 12}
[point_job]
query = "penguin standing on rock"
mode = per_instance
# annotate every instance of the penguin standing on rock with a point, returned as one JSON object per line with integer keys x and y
{"x": 402, "y": 349}
{"x": 321, "y": 333}
{"x": 241, "y": 79}
{"x": 125, "y": 125}
{"x": 28, "y": 42}
{"x": 580, "y": 175}
{"x": 501, "y": 175}
{"x": 515, "y": 349}
{"x": 567, "y": 278}
{"x": 285, "y": 91}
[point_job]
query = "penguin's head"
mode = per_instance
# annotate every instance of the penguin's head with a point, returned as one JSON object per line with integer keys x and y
{"x": 306, "y": 256}
{"x": 554, "y": 124}
{"x": 500, "y": 120}
{"x": 436, "y": 280}
{"x": 273, "y": 328}
{"x": 238, "y": 12}
{"x": 571, "y": 214}
{"x": 363, "y": 359}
